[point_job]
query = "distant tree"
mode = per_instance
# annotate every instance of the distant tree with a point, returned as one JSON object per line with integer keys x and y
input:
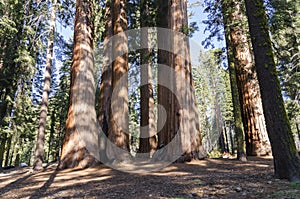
{"x": 214, "y": 101}
{"x": 19, "y": 44}
{"x": 284, "y": 27}
{"x": 286, "y": 158}
{"x": 58, "y": 104}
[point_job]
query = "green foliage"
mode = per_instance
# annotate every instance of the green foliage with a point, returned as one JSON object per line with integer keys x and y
{"x": 289, "y": 193}
{"x": 58, "y": 106}
{"x": 23, "y": 37}
{"x": 214, "y": 24}
{"x": 7, "y": 27}
{"x": 294, "y": 185}
{"x": 214, "y": 154}
{"x": 213, "y": 96}
{"x": 285, "y": 28}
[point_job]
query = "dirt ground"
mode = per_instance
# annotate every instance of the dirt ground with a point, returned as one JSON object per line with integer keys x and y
{"x": 209, "y": 178}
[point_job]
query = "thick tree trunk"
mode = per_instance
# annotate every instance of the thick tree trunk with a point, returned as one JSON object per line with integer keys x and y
{"x": 257, "y": 142}
{"x": 184, "y": 117}
{"x": 39, "y": 149}
{"x": 118, "y": 131}
{"x": 163, "y": 88}
{"x": 286, "y": 158}
{"x": 147, "y": 130}
{"x": 104, "y": 103}
{"x": 80, "y": 145}
{"x": 106, "y": 78}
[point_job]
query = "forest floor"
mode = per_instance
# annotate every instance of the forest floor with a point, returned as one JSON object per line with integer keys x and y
{"x": 209, "y": 178}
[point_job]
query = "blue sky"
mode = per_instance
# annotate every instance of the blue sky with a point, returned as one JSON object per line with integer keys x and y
{"x": 198, "y": 16}
{"x": 195, "y": 42}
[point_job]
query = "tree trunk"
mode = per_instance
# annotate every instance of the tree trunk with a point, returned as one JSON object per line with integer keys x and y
{"x": 257, "y": 142}
{"x": 224, "y": 132}
{"x": 222, "y": 142}
{"x": 104, "y": 103}
{"x": 231, "y": 139}
{"x": 118, "y": 131}
{"x": 147, "y": 130}
{"x": 51, "y": 137}
{"x": 163, "y": 87}
{"x": 80, "y": 145}
{"x": 185, "y": 118}
{"x": 237, "y": 114}
{"x": 286, "y": 158}
{"x": 2, "y": 148}
{"x": 7, "y": 151}
{"x": 39, "y": 149}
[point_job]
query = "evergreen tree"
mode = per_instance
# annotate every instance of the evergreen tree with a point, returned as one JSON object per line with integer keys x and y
{"x": 39, "y": 151}
{"x": 286, "y": 158}
{"x": 285, "y": 28}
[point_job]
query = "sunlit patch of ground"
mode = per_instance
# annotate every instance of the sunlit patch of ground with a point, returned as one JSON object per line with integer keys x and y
{"x": 210, "y": 178}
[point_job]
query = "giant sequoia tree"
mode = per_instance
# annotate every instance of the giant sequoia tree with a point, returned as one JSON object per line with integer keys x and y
{"x": 118, "y": 115}
{"x": 191, "y": 140}
{"x": 147, "y": 130}
{"x": 106, "y": 78}
{"x": 238, "y": 123}
{"x": 164, "y": 95}
{"x": 178, "y": 98}
{"x": 80, "y": 144}
{"x": 257, "y": 142}
{"x": 286, "y": 158}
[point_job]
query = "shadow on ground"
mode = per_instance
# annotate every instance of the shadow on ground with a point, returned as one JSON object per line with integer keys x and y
{"x": 210, "y": 178}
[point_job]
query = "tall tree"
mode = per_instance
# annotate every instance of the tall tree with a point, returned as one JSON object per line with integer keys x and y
{"x": 284, "y": 27}
{"x": 18, "y": 50}
{"x": 257, "y": 142}
{"x": 163, "y": 93}
{"x": 184, "y": 118}
{"x": 147, "y": 132}
{"x": 104, "y": 103}
{"x": 118, "y": 116}
{"x": 39, "y": 150}
{"x": 286, "y": 158}
{"x": 238, "y": 123}
{"x": 80, "y": 145}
